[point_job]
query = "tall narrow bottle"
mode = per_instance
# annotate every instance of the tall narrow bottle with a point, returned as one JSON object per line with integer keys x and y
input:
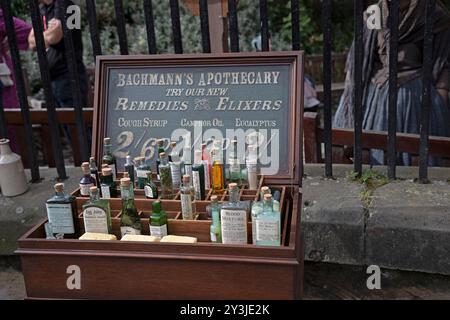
{"x": 187, "y": 193}
{"x": 150, "y": 189}
{"x": 108, "y": 185}
{"x": 198, "y": 176}
{"x": 207, "y": 166}
{"x": 160, "y": 149}
{"x": 216, "y": 228}
{"x": 252, "y": 169}
{"x": 137, "y": 163}
{"x": 94, "y": 170}
{"x": 108, "y": 157}
{"x": 175, "y": 166}
{"x": 130, "y": 222}
{"x": 97, "y": 214}
{"x": 142, "y": 173}
{"x": 129, "y": 167}
{"x": 234, "y": 165}
{"x": 86, "y": 182}
{"x": 217, "y": 172}
{"x": 268, "y": 225}
{"x": 61, "y": 212}
{"x": 233, "y": 217}
{"x": 158, "y": 221}
{"x": 165, "y": 177}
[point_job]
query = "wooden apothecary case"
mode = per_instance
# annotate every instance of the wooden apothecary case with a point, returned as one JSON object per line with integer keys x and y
{"x": 204, "y": 270}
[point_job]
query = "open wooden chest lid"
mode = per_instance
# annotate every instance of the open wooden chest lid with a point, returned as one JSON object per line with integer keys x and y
{"x": 250, "y": 97}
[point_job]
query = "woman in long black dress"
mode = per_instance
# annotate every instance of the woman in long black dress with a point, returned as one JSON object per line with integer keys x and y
{"x": 410, "y": 58}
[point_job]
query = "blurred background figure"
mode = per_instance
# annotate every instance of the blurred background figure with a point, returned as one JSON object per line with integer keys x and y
{"x": 7, "y": 79}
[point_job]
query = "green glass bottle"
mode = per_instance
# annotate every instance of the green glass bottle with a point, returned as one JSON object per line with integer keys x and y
{"x": 142, "y": 173}
{"x": 158, "y": 221}
{"x": 108, "y": 157}
{"x": 160, "y": 149}
{"x": 97, "y": 214}
{"x": 198, "y": 176}
{"x": 165, "y": 177}
{"x": 108, "y": 186}
{"x": 130, "y": 222}
{"x": 216, "y": 228}
{"x": 150, "y": 189}
{"x": 61, "y": 212}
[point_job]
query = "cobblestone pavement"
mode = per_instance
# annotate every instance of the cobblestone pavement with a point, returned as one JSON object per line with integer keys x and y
{"x": 322, "y": 281}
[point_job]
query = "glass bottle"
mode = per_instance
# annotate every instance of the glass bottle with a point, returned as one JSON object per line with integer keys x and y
{"x": 206, "y": 160}
{"x": 61, "y": 212}
{"x": 94, "y": 170}
{"x": 158, "y": 221}
{"x": 165, "y": 177}
{"x": 234, "y": 166}
{"x": 137, "y": 163}
{"x": 233, "y": 218}
{"x": 252, "y": 169}
{"x": 215, "y": 229}
{"x": 160, "y": 149}
{"x": 198, "y": 176}
{"x": 129, "y": 167}
{"x": 268, "y": 226}
{"x": 97, "y": 214}
{"x": 108, "y": 157}
{"x": 150, "y": 189}
{"x": 108, "y": 185}
{"x": 86, "y": 182}
{"x": 142, "y": 173}
{"x": 257, "y": 208}
{"x": 130, "y": 222}
{"x": 187, "y": 195}
{"x": 186, "y": 163}
{"x": 217, "y": 172}
{"x": 175, "y": 166}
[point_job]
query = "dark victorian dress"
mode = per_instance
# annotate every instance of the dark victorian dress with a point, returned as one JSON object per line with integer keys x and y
{"x": 410, "y": 57}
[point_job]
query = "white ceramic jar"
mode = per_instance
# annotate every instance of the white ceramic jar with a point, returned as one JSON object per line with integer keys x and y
{"x": 13, "y": 180}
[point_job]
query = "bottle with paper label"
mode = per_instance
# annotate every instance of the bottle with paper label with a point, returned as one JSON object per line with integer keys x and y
{"x": 142, "y": 173}
{"x": 130, "y": 222}
{"x": 175, "y": 166}
{"x": 187, "y": 195}
{"x": 268, "y": 224}
{"x": 257, "y": 208}
{"x": 158, "y": 221}
{"x": 217, "y": 172}
{"x": 129, "y": 167}
{"x": 198, "y": 176}
{"x": 94, "y": 170}
{"x": 215, "y": 229}
{"x": 108, "y": 157}
{"x": 61, "y": 212}
{"x": 97, "y": 214}
{"x": 233, "y": 218}
{"x": 86, "y": 182}
{"x": 165, "y": 177}
{"x": 108, "y": 186}
{"x": 150, "y": 189}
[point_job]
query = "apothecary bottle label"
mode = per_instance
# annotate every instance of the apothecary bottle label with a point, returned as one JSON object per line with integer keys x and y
{"x": 267, "y": 230}
{"x": 186, "y": 207}
{"x": 105, "y": 192}
{"x": 158, "y": 231}
{"x": 85, "y": 188}
{"x": 142, "y": 173}
{"x": 95, "y": 220}
{"x": 234, "y": 226}
{"x": 196, "y": 183}
{"x": 61, "y": 218}
{"x": 148, "y": 192}
{"x": 129, "y": 230}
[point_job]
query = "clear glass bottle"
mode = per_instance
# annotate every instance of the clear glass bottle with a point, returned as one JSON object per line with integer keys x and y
{"x": 94, "y": 170}
{"x": 165, "y": 177}
{"x": 198, "y": 176}
{"x": 142, "y": 173}
{"x": 130, "y": 221}
{"x": 150, "y": 189}
{"x": 257, "y": 208}
{"x": 158, "y": 221}
{"x": 215, "y": 229}
{"x": 252, "y": 168}
{"x": 108, "y": 157}
{"x": 137, "y": 163}
{"x": 233, "y": 218}
{"x": 234, "y": 165}
{"x": 61, "y": 212}
{"x": 217, "y": 172}
{"x": 97, "y": 214}
{"x": 175, "y": 166}
{"x": 268, "y": 226}
{"x": 108, "y": 185}
{"x": 207, "y": 166}
{"x": 160, "y": 149}
{"x": 86, "y": 182}
{"x": 186, "y": 163}
{"x": 187, "y": 195}
{"x": 129, "y": 167}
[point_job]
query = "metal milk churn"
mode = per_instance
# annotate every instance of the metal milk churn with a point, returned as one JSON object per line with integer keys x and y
{"x": 13, "y": 180}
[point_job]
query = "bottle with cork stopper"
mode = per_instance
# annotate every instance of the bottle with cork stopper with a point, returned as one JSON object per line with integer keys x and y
{"x": 87, "y": 180}
{"x": 130, "y": 221}
{"x": 97, "y": 214}
{"x": 187, "y": 194}
{"x": 268, "y": 224}
{"x": 108, "y": 186}
{"x": 61, "y": 212}
{"x": 108, "y": 157}
{"x": 165, "y": 177}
